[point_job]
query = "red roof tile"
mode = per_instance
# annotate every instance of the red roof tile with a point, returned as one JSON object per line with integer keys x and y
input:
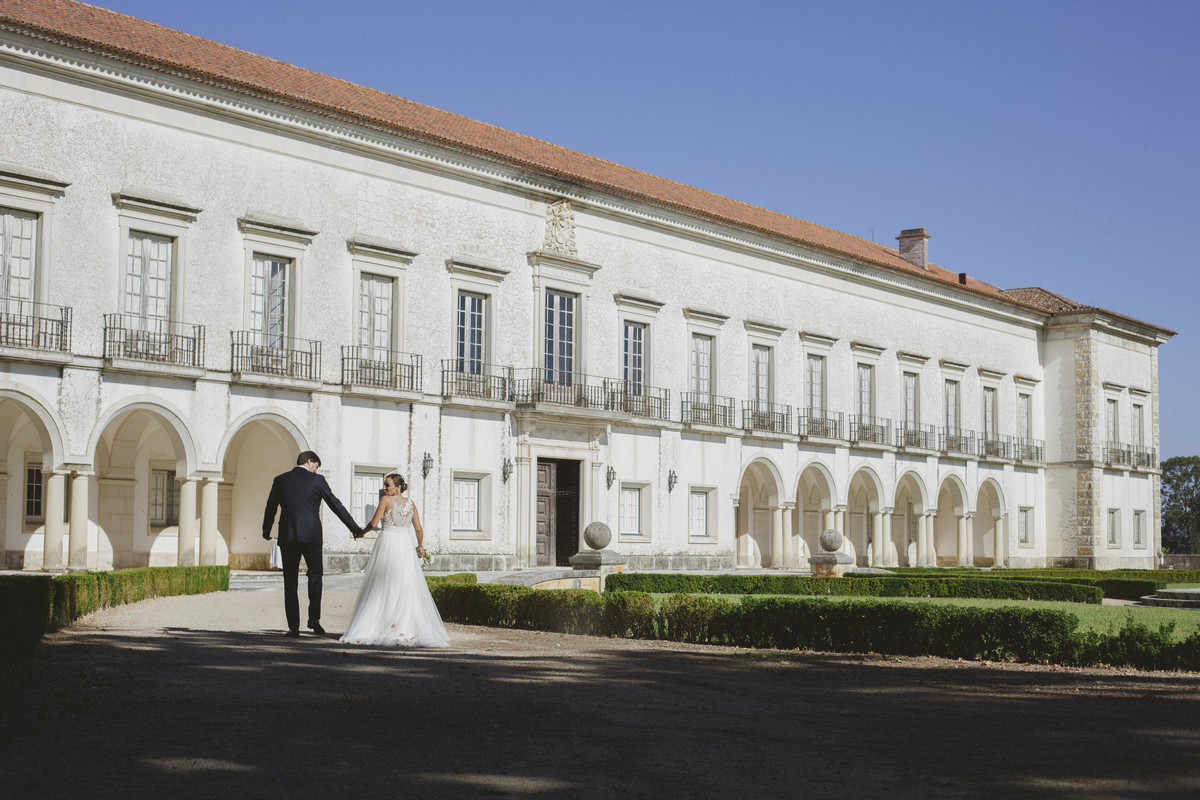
{"x": 131, "y": 39}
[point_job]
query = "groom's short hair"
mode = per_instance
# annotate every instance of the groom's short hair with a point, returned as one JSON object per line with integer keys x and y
{"x": 307, "y": 456}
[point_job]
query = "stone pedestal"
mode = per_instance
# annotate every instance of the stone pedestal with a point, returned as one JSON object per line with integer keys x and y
{"x": 831, "y": 563}
{"x": 599, "y": 559}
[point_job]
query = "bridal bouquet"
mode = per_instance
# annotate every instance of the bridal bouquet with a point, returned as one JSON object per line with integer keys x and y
{"x": 423, "y": 554}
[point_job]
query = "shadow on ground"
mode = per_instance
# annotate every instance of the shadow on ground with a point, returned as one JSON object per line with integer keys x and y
{"x": 512, "y": 713}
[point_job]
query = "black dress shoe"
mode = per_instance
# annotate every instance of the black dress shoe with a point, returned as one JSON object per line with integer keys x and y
{"x": 316, "y": 627}
{"x": 293, "y": 634}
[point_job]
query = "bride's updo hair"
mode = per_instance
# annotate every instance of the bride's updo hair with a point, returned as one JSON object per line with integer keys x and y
{"x": 398, "y": 481}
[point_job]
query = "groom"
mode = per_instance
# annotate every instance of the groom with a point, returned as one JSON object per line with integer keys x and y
{"x": 300, "y": 493}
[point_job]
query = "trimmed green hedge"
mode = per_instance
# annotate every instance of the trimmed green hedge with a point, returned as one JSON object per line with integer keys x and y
{"x": 1115, "y": 585}
{"x": 31, "y": 605}
{"x": 458, "y": 577}
{"x": 868, "y": 585}
{"x": 813, "y": 623}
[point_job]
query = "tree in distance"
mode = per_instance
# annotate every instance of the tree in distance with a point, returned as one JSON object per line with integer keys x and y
{"x": 1181, "y": 504}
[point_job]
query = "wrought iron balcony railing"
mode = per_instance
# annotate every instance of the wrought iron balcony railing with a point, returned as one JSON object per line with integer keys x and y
{"x": 914, "y": 434}
{"x": 995, "y": 446}
{"x": 1029, "y": 449}
{"x": 35, "y": 326}
{"x": 1118, "y": 455}
{"x": 697, "y": 408}
{"x": 465, "y": 378}
{"x": 770, "y": 417}
{"x": 380, "y": 369}
{"x": 813, "y": 422}
{"x": 158, "y": 341}
{"x": 1146, "y": 458}
{"x": 871, "y": 430}
{"x": 281, "y": 356}
{"x": 957, "y": 440}
{"x": 591, "y": 392}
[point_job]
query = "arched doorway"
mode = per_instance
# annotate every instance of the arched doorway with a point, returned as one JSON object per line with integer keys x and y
{"x": 988, "y": 528}
{"x": 951, "y": 543}
{"x": 760, "y": 516}
{"x": 909, "y": 522}
{"x": 260, "y": 447}
{"x": 866, "y": 518}
{"x": 814, "y": 512}
{"x": 31, "y": 447}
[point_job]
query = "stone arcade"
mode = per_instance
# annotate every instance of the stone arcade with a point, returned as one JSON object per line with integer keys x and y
{"x": 212, "y": 261}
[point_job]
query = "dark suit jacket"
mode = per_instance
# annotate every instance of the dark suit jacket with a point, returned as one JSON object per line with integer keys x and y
{"x": 300, "y": 492}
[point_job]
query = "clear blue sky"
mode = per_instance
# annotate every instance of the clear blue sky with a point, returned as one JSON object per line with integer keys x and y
{"x": 1047, "y": 143}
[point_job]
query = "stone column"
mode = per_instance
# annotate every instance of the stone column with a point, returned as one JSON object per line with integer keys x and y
{"x": 829, "y": 522}
{"x": 922, "y": 540}
{"x": 187, "y": 523}
{"x": 839, "y": 521}
{"x": 744, "y": 548}
{"x": 52, "y": 539}
{"x": 877, "y": 539}
{"x": 789, "y": 546}
{"x": 524, "y": 513}
{"x": 970, "y": 539}
{"x": 208, "y": 522}
{"x": 1001, "y": 544}
{"x": 962, "y": 540}
{"x": 777, "y": 536}
{"x": 886, "y": 557}
{"x": 78, "y": 542}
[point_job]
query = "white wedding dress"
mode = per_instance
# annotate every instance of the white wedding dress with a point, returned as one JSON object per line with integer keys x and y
{"x": 394, "y": 605}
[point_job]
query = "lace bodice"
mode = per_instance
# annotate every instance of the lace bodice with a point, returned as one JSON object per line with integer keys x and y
{"x": 398, "y": 519}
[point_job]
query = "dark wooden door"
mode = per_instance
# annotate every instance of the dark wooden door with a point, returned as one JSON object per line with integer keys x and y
{"x": 546, "y": 488}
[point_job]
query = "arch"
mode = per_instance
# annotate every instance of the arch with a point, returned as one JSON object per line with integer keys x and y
{"x": 916, "y": 487}
{"x": 871, "y": 482}
{"x": 992, "y": 486}
{"x": 269, "y": 415}
{"x": 958, "y": 493}
{"x": 758, "y": 464}
{"x": 826, "y": 485}
{"x": 169, "y": 416}
{"x": 47, "y": 422}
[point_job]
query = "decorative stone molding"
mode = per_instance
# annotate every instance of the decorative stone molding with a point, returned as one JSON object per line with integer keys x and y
{"x": 1025, "y": 380}
{"x": 703, "y": 314}
{"x": 822, "y": 339}
{"x": 1109, "y": 386}
{"x": 953, "y": 366}
{"x": 361, "y": 245}
{"x": 153, "y": 203}
{"x": 868, "y": 348}
{"x": 763, "y": 328}
{"x": 476, "y": 268}
{"x": 276, "y": 228}
{"x": 561, "y": 267}
{"x": 637, "y": 301}
{"x": 991, "y": 374}
{"x": 560, "y": 228}
{"x": 31, "y": 180}
{"x": 1137, "y": 391}
{"x": 911, "y": 358}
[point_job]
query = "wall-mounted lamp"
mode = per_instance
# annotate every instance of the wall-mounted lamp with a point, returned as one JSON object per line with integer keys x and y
{"x": 426, "y": 465}
{"x": 609, "y": 477}
{"x": 672, "y": 479}
{"x": 505, "y": 469}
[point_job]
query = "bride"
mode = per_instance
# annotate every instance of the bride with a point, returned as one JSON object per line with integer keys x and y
{"x": 394, "y": 605}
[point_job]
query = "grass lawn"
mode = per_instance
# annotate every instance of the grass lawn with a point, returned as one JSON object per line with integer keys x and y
{"x": 1097, "y": 618}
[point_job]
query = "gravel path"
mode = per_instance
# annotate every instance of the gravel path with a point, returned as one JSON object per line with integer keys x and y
{"x": 203, "y": 697}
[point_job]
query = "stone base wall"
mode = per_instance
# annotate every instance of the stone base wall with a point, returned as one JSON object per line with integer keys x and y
{"x": 1181, "y": 561}
{"x": 473, "y": 563}
{"x": 680, "y": 562}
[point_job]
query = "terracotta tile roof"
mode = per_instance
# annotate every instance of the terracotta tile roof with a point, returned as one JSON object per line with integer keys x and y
{"x": 147, "y": 44}
{"x": 1055, "y": 304}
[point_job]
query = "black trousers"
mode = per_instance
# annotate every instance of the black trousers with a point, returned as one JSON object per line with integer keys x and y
{"x": 292, "y": 551}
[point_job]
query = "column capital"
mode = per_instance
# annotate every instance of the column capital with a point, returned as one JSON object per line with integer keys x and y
{"x": 789, "y": 506}
{"x": 83, "y": 473}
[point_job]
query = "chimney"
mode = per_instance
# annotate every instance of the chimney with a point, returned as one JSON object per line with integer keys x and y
{"x": 913, "y": 247}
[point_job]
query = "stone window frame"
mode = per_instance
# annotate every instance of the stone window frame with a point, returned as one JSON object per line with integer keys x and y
{"x": 702, "y": 321}
{"x": 712, "y": 529}
{"x": 475, "y": 276}
{"x": 818, "y": 345}
{"x": 763, "y": 333}
{"x": 1115, "y": 393}
{"x": 360, "y": 468}
{"x": 639, "y": 309}
{"x": 484, "y": 497}
{"x": 159, "y": 526}
{"x": 911, "y": 364}
{"x": 387, "y": 260}
{"x": 1027, "y": 516}
{"x": 264, "y": 235}
{"x": 1139, "y": 529}
{"x": 156, "y": 215}
{"x": 866, "y": 354}
{"x": 34, "y": 192}
{"x": 1112, "y": 532}
{"x": 560, "y": 273}
{"x": 32, "y": 460}
{"x": 644, "y": 511}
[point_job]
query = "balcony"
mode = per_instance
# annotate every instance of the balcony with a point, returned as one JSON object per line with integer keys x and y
{"x": 697, "y": 408}
{"x": 35, "y": 331}
{"x": 1118, "y": 455}
{"x": 768, "y": 417}
{"x": 1029, "y": 449}
{"x": 591, "y": 393}
{"x": 376, "y": 370}
{"x": 957, "y": 440}
{"x": 1145, "y": 458}
{"x": 475, "y": 380}
{"x": 914, "y": 434}
{"x": 995, "y": 446}
{"x": 276, "y": 360}
{"x": 870, "y": 430}
{"x": 135, "y": 344}
{"x": 817, "y": 424}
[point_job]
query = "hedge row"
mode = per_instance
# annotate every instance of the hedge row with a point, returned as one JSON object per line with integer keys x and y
{"x": 1116, "y": 587}
{"x": 31, "y": 605}
{"x": 1028, "y": 573}
{"x": 852, "y": 626}
{"x": 458, "y": 577}
{"x": 867, "y": 585}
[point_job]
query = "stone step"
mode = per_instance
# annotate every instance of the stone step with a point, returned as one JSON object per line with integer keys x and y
{"x": 1174, "y": 598}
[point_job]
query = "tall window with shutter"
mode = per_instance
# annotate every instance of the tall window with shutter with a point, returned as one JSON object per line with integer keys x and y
{"x": 469, "y": 332}
{"x": 911, "y": 400}
{"x": 864, "y": 390}
{"x": 1025, "y": 416}
{"x": 375, "y": 316}
{"x": 1138, "y": 427}
{"x": 698, "y": 514}
{"x": 464, "y": 505}
{"x": 148, "y": 279}
{"x": 814, "y": 386}
{"x": 269, "y": 286}
{"x": 701, "y": 366}
{"x": 164, "y": 498}
{"x": 631, "y": 511}
{"x": 952, "y": 417}
{"x": 760, "y": 376}
{"x": 633, "y": 357}
{"x": 560, "y": 337}
{"x": 1112, "y": 423}
{"x": 18, "y": 253}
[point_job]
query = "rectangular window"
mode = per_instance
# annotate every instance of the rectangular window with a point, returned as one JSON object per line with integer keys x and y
{"x": 1025, "y": 526}
{"x": 1112, "y": 423}
{"x": 1114, "y": 528}
{"x": 1138, "y": 429}
{"x": 560, "y": 337}
{"x": 464, "y": 505}
{"x": 18, "y": 253}
{"x": 633, "y": 354}
{"x": 698, "y": 514}
{"x": 864, "y": 391}
{"x": 1139, "y": 528}
{"x": 469, "y": 345}
{"x": 368, "y": 488}
{"x": 912, "y": 399}
{"x": 952, "y": 417}
{"x": 164, "y": 498}
{"x": 701, "y": 367}
{"x": 375, "y": 316}
{"x": 269, "y": 300}
{"x": 1025, "y": 416}
{"x": 760, "y": 374}
{"x": 34, "y": 488}
{"x": 148, "y": 277}
{"x": 631, "y": 512}
{"x": 989, "y": 412}
{"x": 814, "y": 382}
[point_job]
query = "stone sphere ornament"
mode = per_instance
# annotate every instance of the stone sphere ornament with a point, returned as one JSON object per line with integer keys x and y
{"x": 597, "y": 535}
{"x": 830, "y": 540}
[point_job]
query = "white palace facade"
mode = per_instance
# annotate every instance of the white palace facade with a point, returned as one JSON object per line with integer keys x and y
{"x": 212, "y": 261}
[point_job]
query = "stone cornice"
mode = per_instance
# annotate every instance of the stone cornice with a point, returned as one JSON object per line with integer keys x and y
{"x": 380, "y": 248}
{"x": 31, "y": 180}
